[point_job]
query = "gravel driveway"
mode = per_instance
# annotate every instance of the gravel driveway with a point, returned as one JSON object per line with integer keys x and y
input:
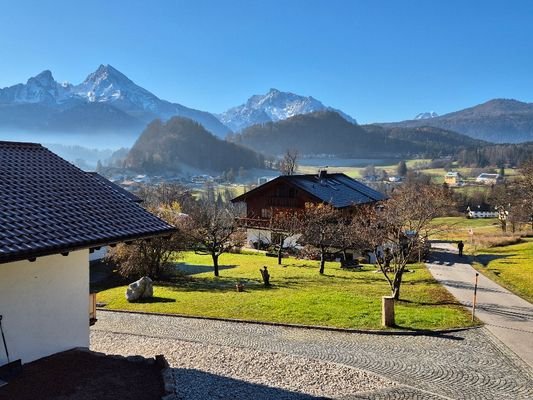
{"x": 227, "y": 360}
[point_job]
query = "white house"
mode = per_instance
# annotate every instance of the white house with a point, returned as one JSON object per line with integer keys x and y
{"x": 489, "y": 179}
{"x": 481, "y": 211}
{"x": 52, "y": 215}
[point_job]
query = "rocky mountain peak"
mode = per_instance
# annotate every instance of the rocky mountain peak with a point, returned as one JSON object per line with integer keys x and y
{"x": 274, "y": 105}
{"x": 45, "y": 79}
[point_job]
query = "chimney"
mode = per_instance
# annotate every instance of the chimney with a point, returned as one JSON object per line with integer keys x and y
{"x": 322, "y": 174}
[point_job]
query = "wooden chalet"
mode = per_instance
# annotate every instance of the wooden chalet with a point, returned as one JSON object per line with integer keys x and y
{"x": 293, "y": 192}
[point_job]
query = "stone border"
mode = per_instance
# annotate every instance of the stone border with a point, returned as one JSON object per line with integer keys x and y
{"x": 406, "y": 332}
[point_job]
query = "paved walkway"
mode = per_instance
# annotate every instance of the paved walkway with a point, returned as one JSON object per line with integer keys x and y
{"x": 507, "y": 316}
{"x": 468, "y": 364}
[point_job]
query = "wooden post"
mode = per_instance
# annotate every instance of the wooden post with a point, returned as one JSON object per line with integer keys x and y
{"x": 475, "y": 298}
{"x": 387, "y": 311}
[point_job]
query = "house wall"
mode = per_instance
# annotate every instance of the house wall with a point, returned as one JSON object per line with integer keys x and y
{"x": 45, "y": 305}
{"x": 276, "y": 197}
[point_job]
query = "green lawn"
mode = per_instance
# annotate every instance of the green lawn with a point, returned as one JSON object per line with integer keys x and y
{"x": 510, "y": 266}
{"x": 299, "y": 294}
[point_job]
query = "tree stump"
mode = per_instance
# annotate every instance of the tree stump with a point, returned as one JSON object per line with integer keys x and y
{"x": 265, "y": 275}
{"x": 387, "y": 311}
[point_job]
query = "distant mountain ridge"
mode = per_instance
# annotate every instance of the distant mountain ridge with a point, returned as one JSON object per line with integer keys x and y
{"x": 273, "y": 106}
{"x": 328, "y": 133}
{"x": 42, "y": 102}
{"x": 497, "y": 120}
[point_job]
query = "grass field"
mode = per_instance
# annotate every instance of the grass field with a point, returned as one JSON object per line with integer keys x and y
{"x": 459, "y": 228}
{"x": 510, "y": 266}
{"x": 299, "y": 295}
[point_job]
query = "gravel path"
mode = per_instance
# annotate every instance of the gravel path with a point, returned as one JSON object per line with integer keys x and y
{"x": 469, "y": 364}
{"x": 203, "y": 370}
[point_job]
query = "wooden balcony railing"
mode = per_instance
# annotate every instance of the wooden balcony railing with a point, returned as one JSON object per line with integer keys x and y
{"x": 283, "y": 202}
{"x": 253, "y": 222}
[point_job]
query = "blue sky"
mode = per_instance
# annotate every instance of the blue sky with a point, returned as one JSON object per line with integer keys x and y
{"x": 375, "y": 60}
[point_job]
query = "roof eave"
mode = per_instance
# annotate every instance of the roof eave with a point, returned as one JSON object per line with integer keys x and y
{"x": 81, "y": 246}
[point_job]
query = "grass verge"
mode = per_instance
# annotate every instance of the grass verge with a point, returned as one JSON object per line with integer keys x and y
{"x": 299, "y": 295}
{"x": 510, "y": 266}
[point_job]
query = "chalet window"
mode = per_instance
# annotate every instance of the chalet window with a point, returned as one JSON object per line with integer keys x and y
{"x": 266, "y": 213}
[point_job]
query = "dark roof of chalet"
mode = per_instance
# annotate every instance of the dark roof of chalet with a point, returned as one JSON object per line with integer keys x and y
{"x": 338, "y": 190}
{"x": 116, "y": 187}
{"x": 49, "y": 206}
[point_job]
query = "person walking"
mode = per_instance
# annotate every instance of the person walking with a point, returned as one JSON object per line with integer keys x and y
{"x": 460, "y": 246}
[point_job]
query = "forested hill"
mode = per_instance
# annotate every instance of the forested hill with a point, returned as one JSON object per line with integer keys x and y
{"x": 169, "y": 146}
{"x": 326, "y": 132}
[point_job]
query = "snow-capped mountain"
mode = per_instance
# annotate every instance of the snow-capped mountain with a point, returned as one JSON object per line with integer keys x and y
{"x": 104, "y": 93}
{"x": 273, "y": 106}
{"x": 427, "y": 115}
{"x": 39, "y": 89}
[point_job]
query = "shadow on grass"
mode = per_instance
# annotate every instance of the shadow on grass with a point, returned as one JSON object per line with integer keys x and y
{"x": 156, "y": 299}
{"x": 192, "y": 269}
{"x": 430, "y": 304}
{"x": 485, "y": 259}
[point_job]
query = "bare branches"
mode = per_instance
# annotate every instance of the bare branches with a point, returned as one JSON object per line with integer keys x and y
{"x": 289, "y": 164}
{"x": 212, "y": 229}
{"x": 284, "y": 226}
{"x": 397, "y": 230}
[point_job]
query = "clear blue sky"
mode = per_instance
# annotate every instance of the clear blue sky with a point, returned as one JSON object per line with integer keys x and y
{"x": 376, "y": 60}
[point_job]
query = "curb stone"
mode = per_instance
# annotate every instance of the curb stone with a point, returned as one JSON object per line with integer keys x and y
{"x": 394, "y": 332}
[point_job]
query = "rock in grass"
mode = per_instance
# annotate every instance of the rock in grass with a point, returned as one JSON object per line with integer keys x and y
{"x": 141, "y": 289}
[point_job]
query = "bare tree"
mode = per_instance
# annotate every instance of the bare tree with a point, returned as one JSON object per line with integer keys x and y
{"x": 213, "y": 229}
{"x": 320, "y": 228}
{"x": 289, "y": 163}
{"x": 150, "y": 257}
{"x": 283, "y": 226}
{"x": 397, "y": 229}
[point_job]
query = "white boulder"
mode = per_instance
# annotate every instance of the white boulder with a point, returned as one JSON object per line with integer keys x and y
{"x": 141, "y": 289}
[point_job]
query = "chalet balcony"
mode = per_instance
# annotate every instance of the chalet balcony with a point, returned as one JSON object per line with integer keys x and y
{"x": 253, "y": 222}
{"x": 283, "y": 202}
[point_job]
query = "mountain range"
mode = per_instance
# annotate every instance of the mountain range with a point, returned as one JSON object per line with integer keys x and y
{"x": 271, "y": 107}
{"x": 498, "y": 120}
{"x": 106, "y": 101}
{"x": 109, "y": 102}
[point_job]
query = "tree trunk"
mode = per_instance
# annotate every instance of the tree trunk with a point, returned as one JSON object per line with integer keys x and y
{"x": 322, "y": 262}
{"x": 280, "y": 250}
{"x": 396, "y": 284}
{"x": 215, "y": 263}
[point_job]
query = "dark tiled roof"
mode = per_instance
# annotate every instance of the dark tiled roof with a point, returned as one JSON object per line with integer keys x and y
{"x": 338, "y": 190}
{"x": 49, "y": 206}
{"x": 116, "y": 187}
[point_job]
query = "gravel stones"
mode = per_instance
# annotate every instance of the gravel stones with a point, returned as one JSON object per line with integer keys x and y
{"x": 204, "y": 371}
